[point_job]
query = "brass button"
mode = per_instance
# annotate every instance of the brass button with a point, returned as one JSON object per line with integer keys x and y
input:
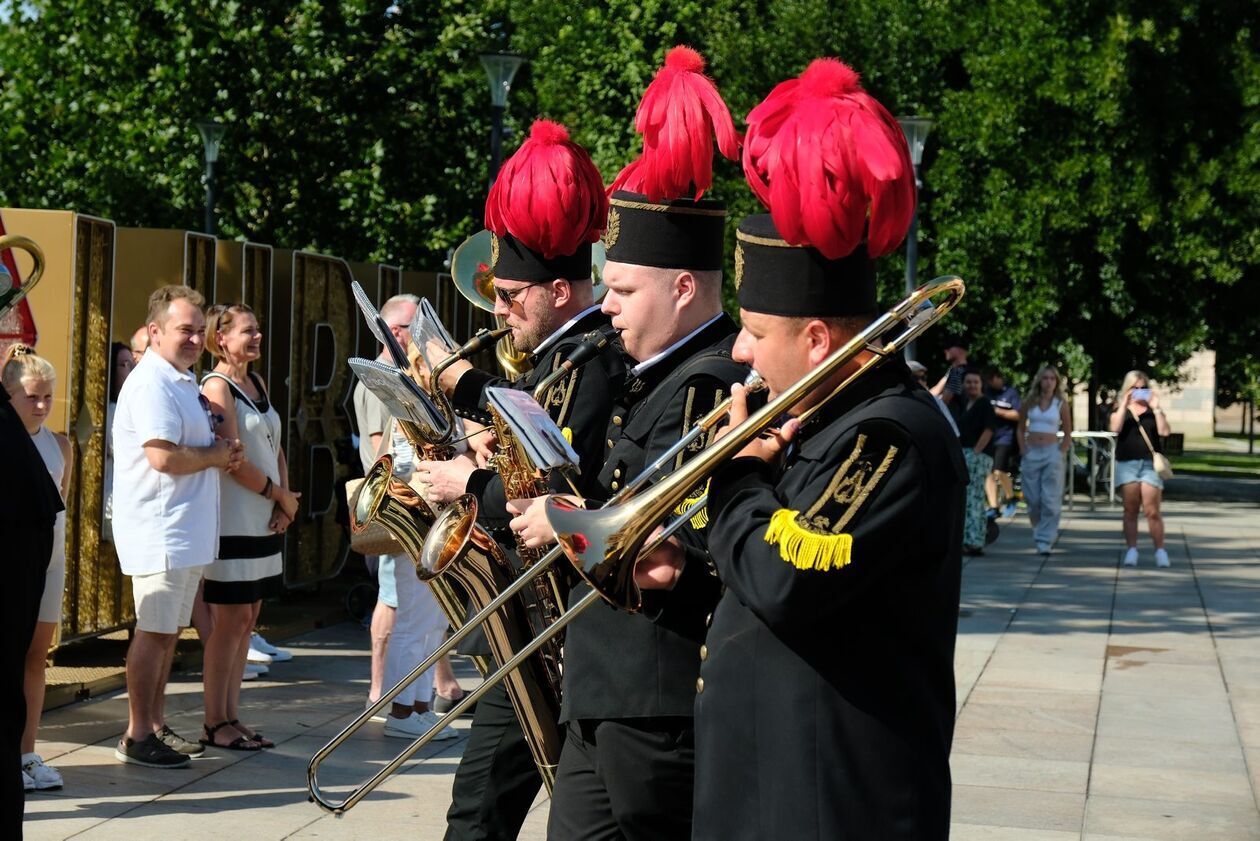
{"x": 615, "y": 485}
{"x": 617, "y": 473}
{"x": 616, "y": 420}
{"x": 699, "y": 685}
{"x": 610, "y": 443}
{"x": 704, "y": 653}
{"x": 708, "y": 620}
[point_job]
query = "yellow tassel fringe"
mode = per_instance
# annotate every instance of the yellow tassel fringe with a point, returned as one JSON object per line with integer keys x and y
{"x": 701, "y": 518}
{"x": 567, "y": 432}
{"x": 805, "y": 549}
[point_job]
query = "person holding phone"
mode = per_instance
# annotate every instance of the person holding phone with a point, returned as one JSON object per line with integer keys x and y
{"x": 1140, "y": 423}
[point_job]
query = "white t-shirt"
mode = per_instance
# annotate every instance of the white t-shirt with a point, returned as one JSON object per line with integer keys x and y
{"x": 162, "y": 521}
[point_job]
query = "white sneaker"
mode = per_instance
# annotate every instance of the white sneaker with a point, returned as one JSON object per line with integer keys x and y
{"x": 248, "y": 675}
{"x": 416, "y": 725}
{"x": 42, "y": 777}
{"x": 1043, "y": 548}
{"x": 256, "y": 668}
{"x": 1161, "y": 558}
{"x": 256, "y": 656}
{"x": 28, "y": 782}
{"x": 1130, "y": 557}
{"x": 278, "y": 655}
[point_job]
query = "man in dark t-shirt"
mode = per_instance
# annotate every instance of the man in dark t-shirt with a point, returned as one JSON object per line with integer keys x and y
{"x": 999, "y": 488}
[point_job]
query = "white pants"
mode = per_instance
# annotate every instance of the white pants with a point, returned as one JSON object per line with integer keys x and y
{"x": 1041, "y": 478}
{"x": 419, "y": 626}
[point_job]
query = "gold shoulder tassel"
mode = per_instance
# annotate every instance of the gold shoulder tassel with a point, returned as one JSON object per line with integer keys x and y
{"x": 805, "y": 549}
{"x": 567, "y": 432}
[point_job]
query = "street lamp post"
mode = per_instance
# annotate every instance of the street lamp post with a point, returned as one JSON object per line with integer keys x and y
{"x": 211, "y": 136}
{"x": 500, "y": 68}
{"x": 916, "y": 130}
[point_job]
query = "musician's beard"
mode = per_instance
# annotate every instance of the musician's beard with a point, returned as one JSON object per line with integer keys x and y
{"x": 529, "y": 336}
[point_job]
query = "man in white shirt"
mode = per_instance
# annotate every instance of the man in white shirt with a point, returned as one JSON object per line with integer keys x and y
{"x": 166, "y": 512}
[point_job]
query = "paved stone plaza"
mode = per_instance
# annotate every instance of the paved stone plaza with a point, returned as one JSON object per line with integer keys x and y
{"x": 1094, "y": 702}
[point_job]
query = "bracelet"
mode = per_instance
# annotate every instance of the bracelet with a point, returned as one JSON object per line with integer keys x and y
{"x": 266, "y": 491}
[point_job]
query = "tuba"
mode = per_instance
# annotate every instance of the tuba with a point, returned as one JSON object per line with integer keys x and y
{"x": 472, "y": 270}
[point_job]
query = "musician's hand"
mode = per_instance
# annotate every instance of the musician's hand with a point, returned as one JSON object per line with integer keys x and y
{"x": 661, "y": 569}
{"x": 481, "y": 441}
{"x": 530, "y": 520}
{"x": 772, "y": 443}
{"x": 419, "y": 371}
{"x": 437, "y": 352}
{"x": 446, "y": 479}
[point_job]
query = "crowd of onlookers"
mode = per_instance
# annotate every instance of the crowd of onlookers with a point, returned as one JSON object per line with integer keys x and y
{"x": 1005, "y": 434}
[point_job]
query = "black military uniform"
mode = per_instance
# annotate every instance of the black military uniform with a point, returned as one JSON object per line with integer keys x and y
{"x": 629, "y": 682}
{"x": 26, "y": 520}
{"x": 497, "y": 779}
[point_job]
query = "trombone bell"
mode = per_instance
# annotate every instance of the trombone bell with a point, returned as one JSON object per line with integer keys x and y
{"x": 594, "y": 542}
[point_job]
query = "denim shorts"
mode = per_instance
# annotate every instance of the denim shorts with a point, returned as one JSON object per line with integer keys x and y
{"x": 1138, "y": 470}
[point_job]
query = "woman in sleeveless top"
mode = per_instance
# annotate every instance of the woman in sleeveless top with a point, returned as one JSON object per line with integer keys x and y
{"x": 256, "y": 508}
{"x": 1140, "y": 486}
{"x": 1043, "y": 415}
{"x": 31, "y": 382}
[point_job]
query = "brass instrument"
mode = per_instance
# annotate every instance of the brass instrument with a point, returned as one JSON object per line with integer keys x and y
{"x": 604, "y": 545}
{"x": 10, "y": 297}
{"x": 472, "y": 270}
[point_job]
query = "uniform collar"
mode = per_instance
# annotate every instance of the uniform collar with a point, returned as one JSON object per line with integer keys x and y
{"x": 638, "y": 370}
{"x": 638, "y": 386}
{"x": 166, "y": 369}
{"x": 892, "y": 376}
{"x": 564, "y": 330}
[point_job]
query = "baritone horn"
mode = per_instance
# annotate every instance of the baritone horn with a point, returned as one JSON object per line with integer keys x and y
{"x": 472, "y": 270}
{"x": 17, "y": 290}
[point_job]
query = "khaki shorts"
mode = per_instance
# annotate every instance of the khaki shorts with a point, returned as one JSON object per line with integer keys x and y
{"x": 164, "y": 600}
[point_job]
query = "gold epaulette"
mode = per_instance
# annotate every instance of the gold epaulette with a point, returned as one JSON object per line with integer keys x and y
{"x": 805, "y": 549}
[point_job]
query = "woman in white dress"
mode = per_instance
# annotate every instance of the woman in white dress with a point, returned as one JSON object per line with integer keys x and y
{"x": 31, "y": 382}
{"x": 255, "y": 509}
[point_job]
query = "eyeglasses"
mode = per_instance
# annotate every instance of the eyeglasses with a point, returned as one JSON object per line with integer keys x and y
{"x": 508, "y": 296}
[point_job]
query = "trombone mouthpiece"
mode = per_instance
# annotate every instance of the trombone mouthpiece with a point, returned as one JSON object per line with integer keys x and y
{"x": 753, "y": 383}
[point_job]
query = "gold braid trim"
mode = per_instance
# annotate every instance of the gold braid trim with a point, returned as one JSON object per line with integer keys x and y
{"x": 701, "y": 518}
{"x": 805, "y": 549}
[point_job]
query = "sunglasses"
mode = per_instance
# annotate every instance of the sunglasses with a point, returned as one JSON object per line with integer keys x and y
{"x": 508, "y": 296}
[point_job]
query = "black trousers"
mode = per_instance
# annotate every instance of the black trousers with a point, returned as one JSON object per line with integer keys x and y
{"x": 497, "y": 779}
{"x": 627, "y": 778}
{"x": 28, "y": 549}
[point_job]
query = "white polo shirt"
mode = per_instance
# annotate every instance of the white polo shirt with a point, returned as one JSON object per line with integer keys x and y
{"x": 162, "y": 522}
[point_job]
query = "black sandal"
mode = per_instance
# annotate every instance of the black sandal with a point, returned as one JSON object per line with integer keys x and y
{"x": 244, "y": 743}
{"x": 262, "y": 741}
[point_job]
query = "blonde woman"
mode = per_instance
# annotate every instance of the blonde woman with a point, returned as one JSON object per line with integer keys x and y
{"x": 31, "y": 381}
{"x": 256, "y": 506}
{"x": 1138, "y": 412}
{"x": 1043, "y": 414}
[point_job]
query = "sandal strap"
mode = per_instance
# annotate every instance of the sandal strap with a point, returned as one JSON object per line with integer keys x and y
{"x": 212, "y": 729}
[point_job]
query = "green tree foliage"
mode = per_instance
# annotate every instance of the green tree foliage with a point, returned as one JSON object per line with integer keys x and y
{"x": 1093, "y": 175}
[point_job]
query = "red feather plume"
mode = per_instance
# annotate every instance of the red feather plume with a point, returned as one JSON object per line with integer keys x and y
{"x": 820, "y": 153}
{"x": 548, "y": 195}
{"x": 680, "y": 117}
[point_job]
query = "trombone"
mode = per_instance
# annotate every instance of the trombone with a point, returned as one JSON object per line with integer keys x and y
{"x": 612, "y": 540}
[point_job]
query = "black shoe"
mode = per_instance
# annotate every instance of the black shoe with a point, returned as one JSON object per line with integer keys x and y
{"x": 973, "y": 551}
{"x": 178, "y": 743}
{"x": 150, "y": 752}
{"x": 442, "y": 705}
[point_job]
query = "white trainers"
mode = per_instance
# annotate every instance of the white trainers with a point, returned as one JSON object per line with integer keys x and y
{"x": 1043, "y": 548}
{"x": 28, "y": 782}
{"x": 380, "y": 716}
{"x": 1161, "y": 558}
{"x": 42, "y": 777}
{"x": 416, "y": 725}
{"x": 277, "y": 655}
{"x": 1130, "y": 557}
{"x": 256, "y": 656}
{"x": 257, "y": 669}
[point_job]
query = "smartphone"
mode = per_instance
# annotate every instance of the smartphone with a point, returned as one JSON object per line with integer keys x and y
{"x": 1143, "y": 394}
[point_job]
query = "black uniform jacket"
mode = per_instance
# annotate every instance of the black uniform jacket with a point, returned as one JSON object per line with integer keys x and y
{"x": 827, "y": 704}
{"x": 32, "y": 498}
{"x": 581, "y": 402}
{"x": 622, "y": 665}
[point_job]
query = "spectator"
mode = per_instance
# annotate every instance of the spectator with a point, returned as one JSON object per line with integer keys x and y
{"x": 919, "y": 371}
{"x": 975, "y": 427}
{"x": 139, "y": 342}
{"x": 1140, "y": 423}
{"x": 256, "y": 506}
{"x": 407, "y": 624}
{"x": 999, "y": 488}
{"x": 949, "y": 388}
{"x": 31, "y": 381}
{"x": 167, "y": 463}
{"x": 1043, "y": 415}
{"x": 121, "y": 363}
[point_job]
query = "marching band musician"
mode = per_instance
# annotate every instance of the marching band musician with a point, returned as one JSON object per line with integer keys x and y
{"x": 546, "y": 208}
{"x": 627, "y": 766}
{"x": 838, "y": 541}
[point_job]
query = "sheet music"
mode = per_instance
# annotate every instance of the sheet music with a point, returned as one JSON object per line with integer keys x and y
{"x": 426, "y": 327}
{"x": 402, "y": 397}
{"x": 543, "y": 441}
